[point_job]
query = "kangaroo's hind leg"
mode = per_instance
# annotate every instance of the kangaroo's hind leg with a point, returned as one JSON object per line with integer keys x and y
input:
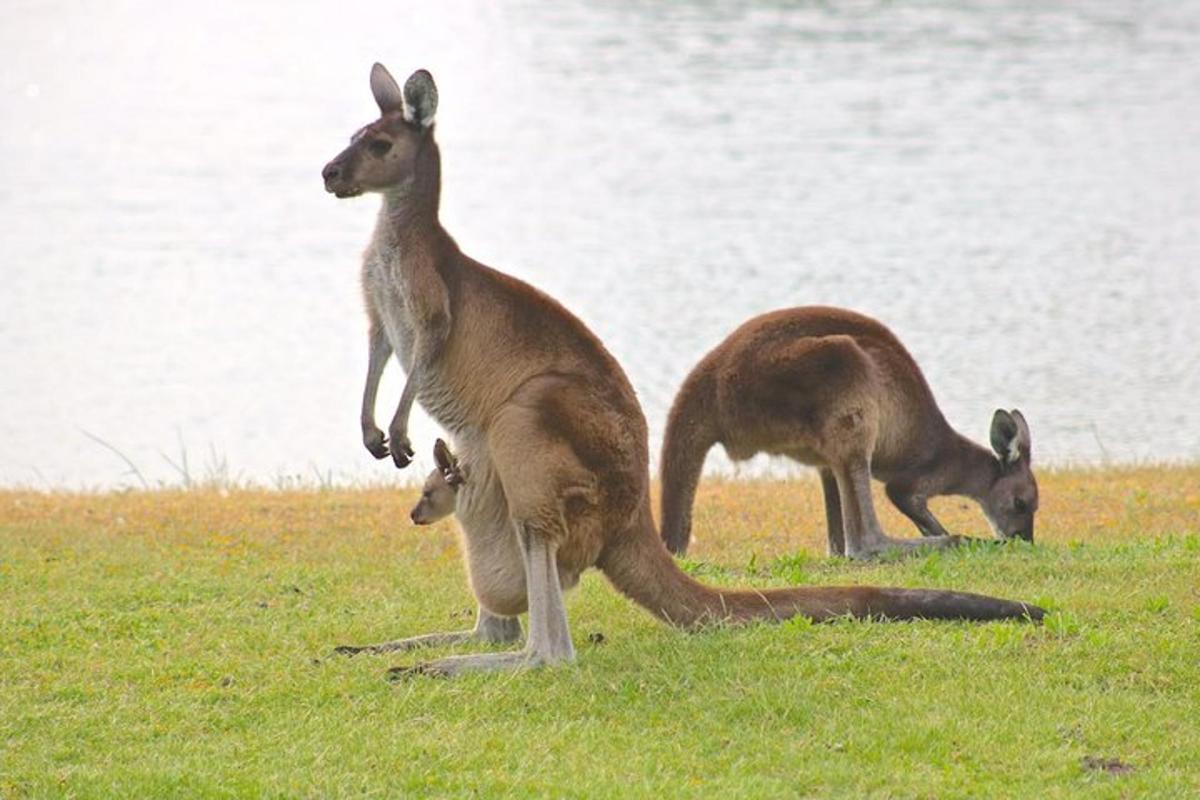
{"x": 833, "y": 513}
{"x": 541, "y": 479}
{"x": 489, "y": 628}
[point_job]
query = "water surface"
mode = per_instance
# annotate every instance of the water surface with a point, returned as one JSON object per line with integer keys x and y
{"x": 1014, "y": 187}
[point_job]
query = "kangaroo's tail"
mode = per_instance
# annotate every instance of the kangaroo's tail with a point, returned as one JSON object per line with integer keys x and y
{"x": 638, "y": 564}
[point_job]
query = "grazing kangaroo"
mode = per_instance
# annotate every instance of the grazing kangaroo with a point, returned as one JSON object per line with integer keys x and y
{"x": 545, "y": 420}
{"x": 837, "y": 390}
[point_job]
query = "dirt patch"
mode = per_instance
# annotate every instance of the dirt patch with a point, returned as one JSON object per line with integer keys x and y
{"x": 1111, "y": 766}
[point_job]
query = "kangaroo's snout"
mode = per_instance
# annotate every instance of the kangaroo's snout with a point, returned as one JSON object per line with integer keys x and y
{"x": 334, "y": 175}
{"x": 1024, "y": 533}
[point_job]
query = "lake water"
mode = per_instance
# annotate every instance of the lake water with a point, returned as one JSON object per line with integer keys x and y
{"x": 1014, "y": 187}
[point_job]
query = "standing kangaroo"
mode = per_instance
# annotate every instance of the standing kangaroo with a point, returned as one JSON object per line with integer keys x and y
{"x": 837, "y": 390}
{"x": 543, "y": 416}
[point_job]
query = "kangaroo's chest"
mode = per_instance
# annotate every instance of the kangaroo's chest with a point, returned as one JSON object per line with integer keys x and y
{"x": 385, "y": 288}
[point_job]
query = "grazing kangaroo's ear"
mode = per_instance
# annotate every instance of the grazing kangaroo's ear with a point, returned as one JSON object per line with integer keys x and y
{"x": 420, "y": 98}
{"x": 1024, "y": 440}
{"x": 386, "y": 90}
{"x": 1006, "y": 436}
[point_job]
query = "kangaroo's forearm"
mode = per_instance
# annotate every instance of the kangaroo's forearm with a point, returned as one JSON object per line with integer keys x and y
{"x": 915, "y": 508}
{"x": 427, "y": 350}
{"x": 407, "y": 396}
{"x": 379, "y": 352}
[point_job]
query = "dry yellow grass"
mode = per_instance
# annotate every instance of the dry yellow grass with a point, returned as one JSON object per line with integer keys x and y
{"x": 732, "y": 517}
{"x": 177, "y": 643}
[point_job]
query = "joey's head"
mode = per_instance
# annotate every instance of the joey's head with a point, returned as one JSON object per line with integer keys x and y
{"x": 1012, "y": 498}
{"x": 437, "y": 502}
{"x": 385, "y": 155}
{"x": 439, "y": 495}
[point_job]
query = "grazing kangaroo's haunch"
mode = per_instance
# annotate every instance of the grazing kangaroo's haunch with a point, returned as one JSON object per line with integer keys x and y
{"x": 544, "y": 419}
{"x": 836, "y": 389}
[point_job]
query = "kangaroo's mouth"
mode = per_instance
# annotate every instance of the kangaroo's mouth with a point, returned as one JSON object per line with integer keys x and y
{"x": 342, "y": 192}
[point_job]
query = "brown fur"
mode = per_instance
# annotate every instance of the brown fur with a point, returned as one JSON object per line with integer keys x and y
{"x": 838, "y": 390}
{"x": 546, "y": 421}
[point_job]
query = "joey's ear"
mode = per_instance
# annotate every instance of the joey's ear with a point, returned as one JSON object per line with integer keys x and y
{"x": 442, "y": 456}
{"x": 1006, "y": 436}
{"x": 420, "y": 98}
{"x": 387, "y": 92}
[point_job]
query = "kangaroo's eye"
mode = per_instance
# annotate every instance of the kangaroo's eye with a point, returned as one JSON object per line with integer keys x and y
{"x": 379, "y": 147}
{"x": 425, "y": 495}
{"x": 1020, "y": 506}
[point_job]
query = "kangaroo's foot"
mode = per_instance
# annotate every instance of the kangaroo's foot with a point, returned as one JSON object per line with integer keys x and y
{"x": 489, "y": 628}
{"x": 452, "y": 666}
{"x": 411, "y": 643}
{"x": 876, "y": 547}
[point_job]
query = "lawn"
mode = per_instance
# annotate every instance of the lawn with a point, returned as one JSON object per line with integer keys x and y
{"x": 178, "y": 643}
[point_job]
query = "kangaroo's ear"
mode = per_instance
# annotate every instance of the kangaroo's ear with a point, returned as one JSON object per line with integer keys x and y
{"x": 1010, "y": 436}
{"x": 387, "y": 92}
{"x": 442, "y": 456}
{"x": 420, "y": 98}
{"x": 1024, "y": 440}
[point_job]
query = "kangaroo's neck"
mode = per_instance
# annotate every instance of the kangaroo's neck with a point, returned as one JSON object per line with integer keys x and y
{"x": 964, "y": 468}
{"x": 691, "y": 433}
{"x": 408, "y": 219}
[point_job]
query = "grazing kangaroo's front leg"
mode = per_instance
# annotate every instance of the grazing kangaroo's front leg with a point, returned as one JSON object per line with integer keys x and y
{"x": 380, "y": 349}
{"x": 914, "y": 507}
{"x": 549, "y": 640}
{"x": 489, "y": 629}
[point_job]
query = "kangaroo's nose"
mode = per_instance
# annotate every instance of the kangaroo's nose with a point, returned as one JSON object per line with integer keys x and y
{"x": 331, "y": 171}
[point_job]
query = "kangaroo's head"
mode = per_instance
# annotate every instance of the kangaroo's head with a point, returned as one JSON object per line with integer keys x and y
{"x": 383, "y": 156}
{"x": 439, "y": 495}
{"x": 1012, "y": 499}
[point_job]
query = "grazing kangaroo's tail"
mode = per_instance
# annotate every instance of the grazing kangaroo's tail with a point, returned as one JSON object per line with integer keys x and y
{"x": 639, "y": 566}
{"x": 689, "y": 436}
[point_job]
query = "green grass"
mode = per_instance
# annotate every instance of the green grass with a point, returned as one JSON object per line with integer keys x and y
{"x": 178, "y": 644}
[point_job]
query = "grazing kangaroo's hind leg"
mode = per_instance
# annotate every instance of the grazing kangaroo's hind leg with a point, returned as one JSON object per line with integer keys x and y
{"x": 833, "y": 513}
{"x": 489, "y": 628}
